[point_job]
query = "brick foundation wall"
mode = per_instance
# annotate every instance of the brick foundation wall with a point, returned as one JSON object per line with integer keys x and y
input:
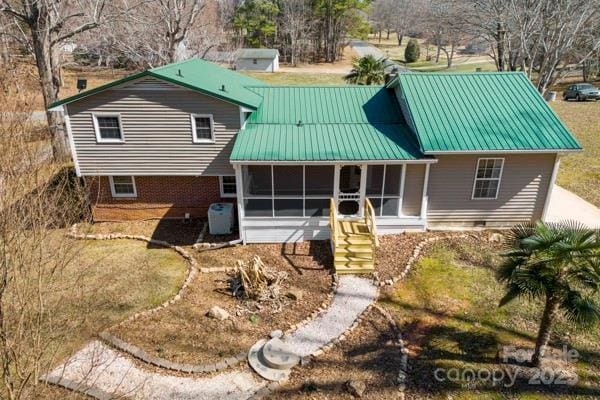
{"x": 157, "y": 197}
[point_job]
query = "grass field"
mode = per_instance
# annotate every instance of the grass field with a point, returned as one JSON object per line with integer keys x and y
{"x": 448, "y": 310}
{"x": 580, "y": 173}
{"x": 461, "y": 62}
{"x": 298, "y": 78}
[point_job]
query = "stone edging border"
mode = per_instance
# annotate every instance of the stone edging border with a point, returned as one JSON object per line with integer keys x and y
{"x": 403, "y": 370}
{"x": 78, "y": 387}
{"x": 140, "y": 354}
{"x": 193, "y": 269}
{"x": 414, "y": 258}
{"x": 193, "y": 266}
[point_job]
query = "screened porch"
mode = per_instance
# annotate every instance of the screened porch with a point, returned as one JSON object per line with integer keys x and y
{"x": 293, "y": 202}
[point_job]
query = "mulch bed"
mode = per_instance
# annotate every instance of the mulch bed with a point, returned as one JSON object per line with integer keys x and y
{"x": 368, "y": 354}
{"x": 174, "y": 231}
{"x": 395, "y": 250}
{"x": 183, "y": 333}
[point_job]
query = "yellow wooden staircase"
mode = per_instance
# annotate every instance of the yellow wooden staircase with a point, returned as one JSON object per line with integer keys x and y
{"x": 353, "y": 242}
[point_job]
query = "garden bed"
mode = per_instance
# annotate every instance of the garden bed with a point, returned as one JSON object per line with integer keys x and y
{"x": 183, "y": 333}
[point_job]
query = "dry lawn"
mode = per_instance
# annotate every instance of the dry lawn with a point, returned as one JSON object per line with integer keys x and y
{"x": 448, "y": 311}
{"x": 106, "y": 282}
{"x": 580, "y": 173}
{"x": 184, "y": 333}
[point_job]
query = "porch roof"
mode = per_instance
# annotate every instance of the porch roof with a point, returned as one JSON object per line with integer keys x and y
{"x": 330, "y": 123}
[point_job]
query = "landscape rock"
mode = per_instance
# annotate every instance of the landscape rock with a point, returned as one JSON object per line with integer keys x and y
{"x": 356, "y": 388}
{"x": 276, "y": 334}
{"x": 218, "y": 313}
{"x": 496, "y": 237}
{"x": 295, "y": 294}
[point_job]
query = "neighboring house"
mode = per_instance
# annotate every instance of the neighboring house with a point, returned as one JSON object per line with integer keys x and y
{"x": 264, "y": 60}
{"x": 426, "y": 150}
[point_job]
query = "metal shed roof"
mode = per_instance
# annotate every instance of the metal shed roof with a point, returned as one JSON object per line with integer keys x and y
{"x": 326, "y": 124}
{"x": 492, "y": 111}
{"x": 257, "y": 53}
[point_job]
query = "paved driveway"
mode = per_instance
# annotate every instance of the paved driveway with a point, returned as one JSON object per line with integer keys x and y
{"x": 363, "y": 48}
{"x": 566, "y": 205}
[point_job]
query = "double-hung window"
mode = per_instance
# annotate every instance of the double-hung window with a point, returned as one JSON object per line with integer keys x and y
{"x": 487, "y": 178}
{"x": 122, "y": 186}
{"x": 228, "y": 186}
{"x": 202, "y": 128}
{"x": 108, "y": 128}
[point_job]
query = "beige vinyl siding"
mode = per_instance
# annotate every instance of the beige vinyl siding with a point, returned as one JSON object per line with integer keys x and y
{"x": 157, "y": 129}
{"x": 523, "y": 189}
{"x": 413, "y": 189}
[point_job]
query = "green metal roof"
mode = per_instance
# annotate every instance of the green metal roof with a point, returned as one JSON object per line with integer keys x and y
{"x": 325, "y": 124}
{"x": 328, "y": 104}
{"x": 481, "y": 111}
{"x": 195, "y": 74}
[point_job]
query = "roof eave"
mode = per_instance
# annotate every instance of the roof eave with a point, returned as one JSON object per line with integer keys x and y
{"x": 56, "y": 105}
{"x": 500, "y": 151}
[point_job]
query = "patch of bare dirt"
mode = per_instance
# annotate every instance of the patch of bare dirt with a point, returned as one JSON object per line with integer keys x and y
{"x": 368, "y": 354}
{"x": 183, "y": 332}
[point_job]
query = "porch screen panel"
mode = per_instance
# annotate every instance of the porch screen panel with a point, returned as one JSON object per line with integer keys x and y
{"x": 258, "y": 207}
{"x": 383, "y": 189}
{"x": 287, "y": 181}
{"x": 257, "y": 181}
{"x": 318, "y": 189}
{"x": 288, "y": 186}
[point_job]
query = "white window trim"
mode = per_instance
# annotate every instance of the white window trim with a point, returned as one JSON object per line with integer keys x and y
{"x": 122, "y": 195}
{"x": 100, "y": 139}
{"x": 499, "y": 178}
{"x": 223, "y": 194}
{"x": 212, "y": 128}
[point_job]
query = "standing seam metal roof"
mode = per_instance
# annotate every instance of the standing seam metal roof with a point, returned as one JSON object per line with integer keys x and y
{"x": 331, "y": 123}
{"x": 481, "y": 112}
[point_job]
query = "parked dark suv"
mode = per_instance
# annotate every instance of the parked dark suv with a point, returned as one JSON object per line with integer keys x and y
{"x": 582, "y": 91}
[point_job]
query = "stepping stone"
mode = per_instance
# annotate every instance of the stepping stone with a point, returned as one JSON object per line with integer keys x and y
{"x": 278, "y": 355}
{"x": 272, "y": 359}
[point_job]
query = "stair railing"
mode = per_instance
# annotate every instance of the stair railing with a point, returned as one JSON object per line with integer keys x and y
{"x": 370, "y": 222}
{"x": 333, "y": 222}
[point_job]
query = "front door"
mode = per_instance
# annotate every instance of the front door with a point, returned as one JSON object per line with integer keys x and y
{"x": 350, "y": 193}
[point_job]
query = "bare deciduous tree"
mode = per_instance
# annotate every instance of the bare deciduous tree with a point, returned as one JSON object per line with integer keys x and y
{"x": 47, "y": 25}
{"x": 36, "y": 200}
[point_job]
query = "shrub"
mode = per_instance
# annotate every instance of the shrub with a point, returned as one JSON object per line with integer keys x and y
{"x": 412, "y": 51}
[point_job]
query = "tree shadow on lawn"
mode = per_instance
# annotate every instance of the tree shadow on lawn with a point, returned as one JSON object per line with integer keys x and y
{"x": 296, "y": 254}
{"x": 444, "y": 346}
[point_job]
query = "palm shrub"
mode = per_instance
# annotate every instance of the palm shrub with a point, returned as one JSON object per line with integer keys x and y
{"x": 366, "y": 70}
{"x": 412, "y": 52}
{"x": 559, "y": 264}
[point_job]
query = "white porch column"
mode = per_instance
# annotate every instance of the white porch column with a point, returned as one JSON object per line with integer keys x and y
{"x": 424, "y": 198}
{"x": 239, "y": 188}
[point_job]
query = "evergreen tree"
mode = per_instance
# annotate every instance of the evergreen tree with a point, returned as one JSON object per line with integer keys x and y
{"x": 412, "y": 51}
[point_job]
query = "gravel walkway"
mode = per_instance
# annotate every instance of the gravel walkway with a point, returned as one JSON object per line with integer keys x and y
{"x": 354, "y": 295}
{"x": 105, "y": 373}
{"x": 105, "y": 370}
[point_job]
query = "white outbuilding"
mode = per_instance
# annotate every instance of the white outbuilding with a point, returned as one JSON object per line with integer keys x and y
{"x": 265, "y": 60}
